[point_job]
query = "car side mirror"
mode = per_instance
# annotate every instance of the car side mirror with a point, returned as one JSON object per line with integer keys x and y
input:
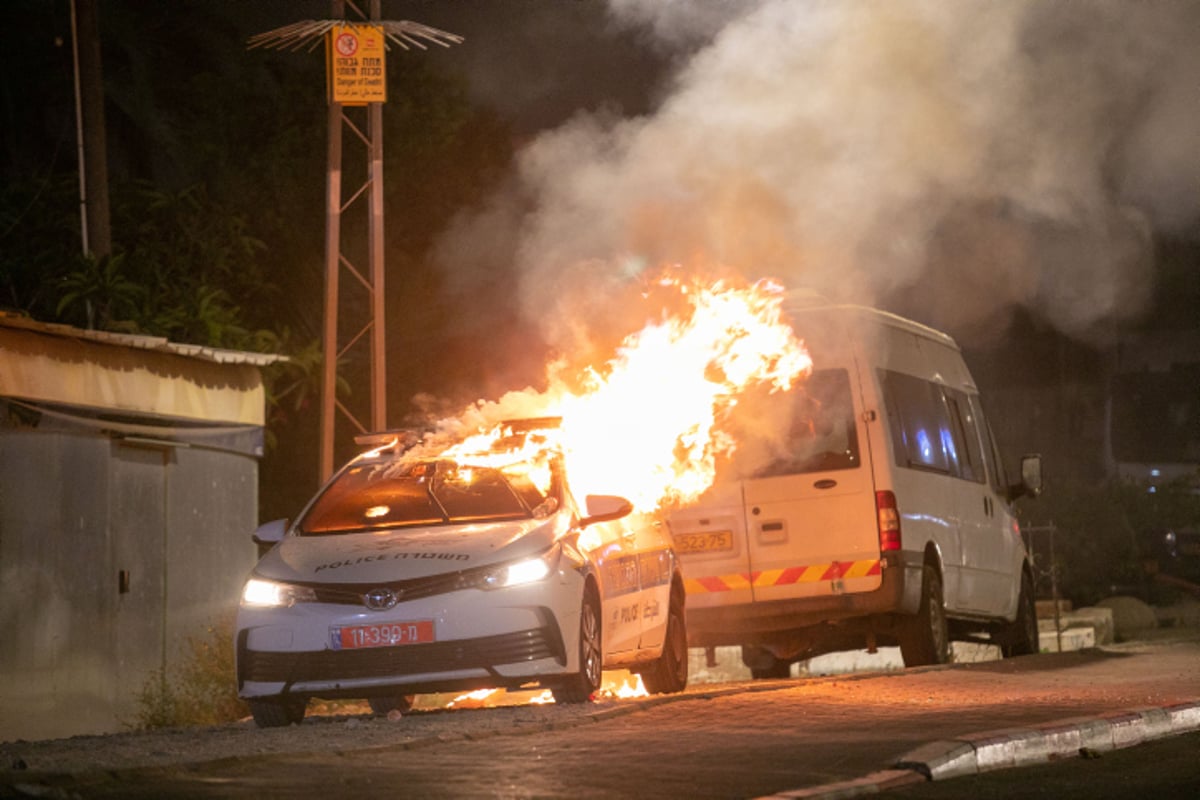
{"x": 269, "y": 534}
{"x": 605, "y": 508}
{"x": 1031, "y": 476}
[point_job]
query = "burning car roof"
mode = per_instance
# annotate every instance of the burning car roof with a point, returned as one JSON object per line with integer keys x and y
{"x": 510, "y": 435}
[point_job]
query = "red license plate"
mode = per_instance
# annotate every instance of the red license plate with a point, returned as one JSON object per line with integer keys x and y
{"x": 381, "y": 634}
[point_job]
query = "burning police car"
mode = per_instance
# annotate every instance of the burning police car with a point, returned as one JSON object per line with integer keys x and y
{"x": 407, "y": 575}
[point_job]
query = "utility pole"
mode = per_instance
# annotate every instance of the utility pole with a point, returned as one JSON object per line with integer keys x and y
{"x": 356, "y": 77}
{"x": 95, "y": 227}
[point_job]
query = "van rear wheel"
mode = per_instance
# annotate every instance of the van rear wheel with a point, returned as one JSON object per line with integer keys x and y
{"x": 763, "y": 664}
{"x": 926, "y": 638}
{"x": 780, "y": 669}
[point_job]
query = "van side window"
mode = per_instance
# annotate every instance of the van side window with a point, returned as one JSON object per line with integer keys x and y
{"x": 919, "y": 423}
{"x": 823, "y": 434}
{"x": 966, "y": 431}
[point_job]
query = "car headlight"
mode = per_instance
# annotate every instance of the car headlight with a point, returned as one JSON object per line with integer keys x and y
{"x": 272, "y": 594}
{"x": 516, "y": 573}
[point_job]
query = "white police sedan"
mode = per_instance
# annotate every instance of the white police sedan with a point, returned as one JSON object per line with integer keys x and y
{"x": 411, "y": 575}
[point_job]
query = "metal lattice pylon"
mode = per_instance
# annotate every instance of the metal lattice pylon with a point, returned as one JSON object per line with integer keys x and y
{"x": 308, "y": 35}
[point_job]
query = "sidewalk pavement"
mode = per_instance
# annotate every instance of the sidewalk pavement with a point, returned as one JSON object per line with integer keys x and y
{"x": 1015, "y": 747}
{"x": 1084, "y": 737}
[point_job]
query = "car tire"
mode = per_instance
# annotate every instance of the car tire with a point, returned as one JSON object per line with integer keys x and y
{"x": 669, "y": 673}
{"x": 278, "y": 712}
{"x": 926, "y": 637}
{"x": 580, "y": 687}
{"x": 1020, "y": 637}
{"x": 385, "y": 704}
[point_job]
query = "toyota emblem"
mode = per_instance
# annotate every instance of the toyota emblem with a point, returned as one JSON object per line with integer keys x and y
{"x": 380, "y": 599}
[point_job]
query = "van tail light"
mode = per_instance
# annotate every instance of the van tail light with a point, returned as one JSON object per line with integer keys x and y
{"x": 889, "y": 521}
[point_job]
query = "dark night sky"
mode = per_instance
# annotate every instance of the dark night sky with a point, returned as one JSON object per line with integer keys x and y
{"x": 535, "y": 61}
{"x": 958, "y": 160}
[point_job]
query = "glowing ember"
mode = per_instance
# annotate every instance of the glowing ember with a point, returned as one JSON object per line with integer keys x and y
{"x": 629, "y": 687}
{"x": 618, "y": 684}
{"x": 647, "y": 425}
{"x": 475, "y": 699}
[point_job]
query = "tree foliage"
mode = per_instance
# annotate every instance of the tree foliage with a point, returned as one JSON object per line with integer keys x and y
{"x": 1104, "y": 533}
{"x": 217, "y": 168}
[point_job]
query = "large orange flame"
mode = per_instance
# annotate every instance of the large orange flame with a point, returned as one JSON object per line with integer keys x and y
{"x": 647, "y": 424}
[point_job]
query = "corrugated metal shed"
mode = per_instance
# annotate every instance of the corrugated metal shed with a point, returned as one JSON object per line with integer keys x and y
{"x": 139, "y": 342}
{"x": 128, "y": 492}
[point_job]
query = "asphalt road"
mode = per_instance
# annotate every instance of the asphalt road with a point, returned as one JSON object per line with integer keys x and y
{"x": 789, "y": 737}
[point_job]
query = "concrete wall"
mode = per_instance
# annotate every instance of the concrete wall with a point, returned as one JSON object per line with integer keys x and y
{"x": 77, "y": 511}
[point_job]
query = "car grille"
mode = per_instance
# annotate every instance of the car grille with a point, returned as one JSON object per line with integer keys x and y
{"x": 412, "y": 659}
{"x": 352, "y": 593}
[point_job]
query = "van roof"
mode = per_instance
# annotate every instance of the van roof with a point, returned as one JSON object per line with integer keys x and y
{"x": 805, "y": 302}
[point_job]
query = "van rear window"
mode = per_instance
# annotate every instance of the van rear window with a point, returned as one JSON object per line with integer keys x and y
{"x": 822, "y": 436}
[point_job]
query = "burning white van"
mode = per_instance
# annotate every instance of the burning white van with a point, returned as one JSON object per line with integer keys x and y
{"x": 881, "y": 515}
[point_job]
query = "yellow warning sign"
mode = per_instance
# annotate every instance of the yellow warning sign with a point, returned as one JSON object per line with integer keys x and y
{"x": 356, "y": 71}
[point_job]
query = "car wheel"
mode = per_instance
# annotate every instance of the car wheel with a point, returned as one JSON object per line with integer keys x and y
{"x": 579, "y": 687}
{"x": 386, "y": 704}
{"x": 1020, "y": 638}
{"x": 926, "y": 638}
{"x": 278, "y": 712}
{"x": 670, "y": 672}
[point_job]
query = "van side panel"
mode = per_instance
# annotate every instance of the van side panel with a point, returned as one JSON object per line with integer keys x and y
{"x": 913, "y": 414}
{"x": 993, "y": 551}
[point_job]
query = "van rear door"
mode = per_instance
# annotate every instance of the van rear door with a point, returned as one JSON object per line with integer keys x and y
{"x": 811, "y": 520}
{"x": 710, "y": 538}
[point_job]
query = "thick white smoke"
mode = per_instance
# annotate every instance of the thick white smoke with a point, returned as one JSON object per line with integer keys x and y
{"x": 951, "y": 160}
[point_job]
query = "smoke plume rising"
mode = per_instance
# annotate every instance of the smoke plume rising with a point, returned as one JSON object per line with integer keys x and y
{"x": 952, "y": 161}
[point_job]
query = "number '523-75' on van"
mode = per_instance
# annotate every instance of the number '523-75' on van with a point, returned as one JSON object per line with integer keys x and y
{"x": 868, "y": 505}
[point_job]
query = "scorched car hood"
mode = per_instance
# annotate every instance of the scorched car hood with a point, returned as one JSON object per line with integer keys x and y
{"x": 407, "y": 553}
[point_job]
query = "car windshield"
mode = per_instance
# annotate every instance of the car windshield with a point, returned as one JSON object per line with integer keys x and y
{"x": 398, "y": 493}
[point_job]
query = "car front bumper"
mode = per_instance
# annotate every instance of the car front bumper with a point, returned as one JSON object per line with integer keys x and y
{"x": 499, "y": 638}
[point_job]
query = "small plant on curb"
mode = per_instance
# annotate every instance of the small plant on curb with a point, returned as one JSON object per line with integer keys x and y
{"x": 201, "y": 692}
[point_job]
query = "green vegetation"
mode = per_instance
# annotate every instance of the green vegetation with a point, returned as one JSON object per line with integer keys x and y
{"x": 202, "y": 691}
{"x": 1102, "y": 531}
{"x": 217, "y": 171}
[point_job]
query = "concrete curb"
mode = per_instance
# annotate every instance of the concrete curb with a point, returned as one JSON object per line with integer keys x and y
{"x": 1016, "y": 747}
